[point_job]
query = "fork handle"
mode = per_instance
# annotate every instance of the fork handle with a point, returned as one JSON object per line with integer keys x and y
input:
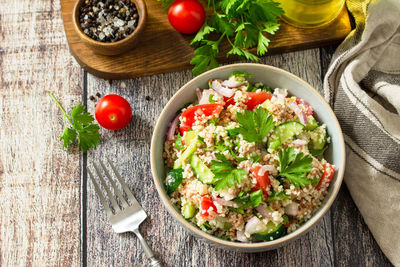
{"x": 147, "y": 250}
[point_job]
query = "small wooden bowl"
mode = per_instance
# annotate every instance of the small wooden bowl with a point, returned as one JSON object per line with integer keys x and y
{"x": 120, "y": 46}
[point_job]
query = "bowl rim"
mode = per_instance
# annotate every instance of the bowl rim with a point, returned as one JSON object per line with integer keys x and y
{"x": 140, "y": 6}
{"x": 233, "y": 244}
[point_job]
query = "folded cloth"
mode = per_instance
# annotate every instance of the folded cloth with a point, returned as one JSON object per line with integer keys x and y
{"x": 363, "y": 86}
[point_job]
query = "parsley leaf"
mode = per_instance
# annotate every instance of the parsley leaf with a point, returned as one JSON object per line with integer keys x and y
{"x": 204, "y": 31}
{"x": 214, "y": 121}
{"x": 178, "y": 142}
{"x": 80, "y": 126}
{"x": 166, "y": 3}
{"x": 210, "y": 98}
{"x": 315, "y": 181}
{"x": 295, "y": 166}
{"x": 249, "y": 200}
{"x": 225, "y": 173}
{"x": 255, "y": 125}
{"x": 204, "y": 59}
{"x": 255, "y": 158}
{"x": 241, "y": 74}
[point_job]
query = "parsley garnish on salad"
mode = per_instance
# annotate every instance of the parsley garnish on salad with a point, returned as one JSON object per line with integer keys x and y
{"x": 80, "y": 125}
{"x": 295, "y": 166}
{"x": 247, "y": 200}
{"x": 254, "y": 126}
{"x": 225, "y": 173}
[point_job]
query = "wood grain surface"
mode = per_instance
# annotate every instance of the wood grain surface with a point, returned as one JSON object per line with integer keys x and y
{"x": 162, "y": 49}
{"x": 44, "y": 190}
{"x": 39, "y": 182}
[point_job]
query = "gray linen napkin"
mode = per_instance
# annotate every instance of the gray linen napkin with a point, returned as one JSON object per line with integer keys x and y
{"x": 363, "y": 86}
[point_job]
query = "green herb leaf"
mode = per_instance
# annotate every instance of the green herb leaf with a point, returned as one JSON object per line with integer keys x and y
{"x": 178, "y": 142}
{"x": 243, "y": 54}
{"x": 174, "y": 179}
{"x": 202, "y": 34}
{"x": 214, "y": 121}
{"x": 262, "y": 45}
{"x": 241, "y": 74}
{"x": 295, "y": 166}
{"x": 81, "y": 127}
{"x": 315, "y": 181}
{"x": 204, "y": 59}
{"x": 248, "y": 200}
{"x": 255, "y": 125}
{"x": 210, "y": 98}
{"x": 166, "y": 3}
{"x": 225, "y": 173}
{"x": 255, "y": 158}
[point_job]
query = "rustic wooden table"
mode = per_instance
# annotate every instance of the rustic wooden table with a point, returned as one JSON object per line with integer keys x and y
{"x": 50, "y": 215}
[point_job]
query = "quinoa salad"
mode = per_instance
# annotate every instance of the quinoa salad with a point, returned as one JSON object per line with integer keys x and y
{"x": 245, "y": 162}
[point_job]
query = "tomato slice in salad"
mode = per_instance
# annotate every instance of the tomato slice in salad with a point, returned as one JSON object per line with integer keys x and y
{"x": 208, "y": 210}
{"x": 307, "y": 109}
{"x": 262, "y": 180}
{"x": 188, "y": 116}
{"x": 254, "y": 99}
{"x": 329, "y": 170}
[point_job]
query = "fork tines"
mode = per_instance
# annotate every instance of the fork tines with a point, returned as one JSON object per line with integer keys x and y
{"x": 114, "y": 203}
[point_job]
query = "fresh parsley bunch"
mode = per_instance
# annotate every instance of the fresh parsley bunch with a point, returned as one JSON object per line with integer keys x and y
{"x": 81, "y": 126}
{"x": 243, "y": 23}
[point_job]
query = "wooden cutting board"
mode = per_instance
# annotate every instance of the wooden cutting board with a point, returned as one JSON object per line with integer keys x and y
{"x": 162, "y": 49}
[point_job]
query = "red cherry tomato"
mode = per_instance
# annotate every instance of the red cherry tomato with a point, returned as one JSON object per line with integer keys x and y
{"x": 254, "y": 99}
{"x": 329, "y": 170}
{"x": 113, "y": 112}
{"x": 262, "y": 180}
{"x": 186, "y": 16}
{"x": 307, "y": 109}
{"x": 205, "y": 212}
{"x": 188, "y": 116}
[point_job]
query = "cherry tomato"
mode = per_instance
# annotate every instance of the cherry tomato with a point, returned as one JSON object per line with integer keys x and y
{"x": 113, "y": 112}
{"x": 262, "y": 180}
{"x": 329, "y": 170}
{"x": 254, "y": 99}
{"x": 205, "y": 204}
{"x": 186, "y": 16}
{"x": 188, "y": 116}
{"x": 306, "y": 108}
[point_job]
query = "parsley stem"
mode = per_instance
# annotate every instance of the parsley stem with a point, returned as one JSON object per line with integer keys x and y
{"x": 61, "y": 108}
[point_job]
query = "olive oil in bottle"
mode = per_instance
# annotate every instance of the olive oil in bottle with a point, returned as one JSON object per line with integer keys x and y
{"x": 311, "y": 13}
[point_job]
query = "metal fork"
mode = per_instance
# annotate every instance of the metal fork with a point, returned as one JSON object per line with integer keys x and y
{"x": 126, "y": 218}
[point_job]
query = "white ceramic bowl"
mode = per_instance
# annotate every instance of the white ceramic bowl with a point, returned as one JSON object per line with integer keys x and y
{"x": 273, "y": 77}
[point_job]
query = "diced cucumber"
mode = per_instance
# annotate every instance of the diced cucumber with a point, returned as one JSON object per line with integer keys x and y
{"x": 284, "y": 132}
{"x": 317, "y": 139}
{"x": 189, "y": 137}
{"x": 188, "y": 210}
{"x": 312, "y": 123}
{"x": 273, "y": 232}
{"x": 186, "y": 154}
{"x": 202, "y": 172}
{"x": 174, "y": 179}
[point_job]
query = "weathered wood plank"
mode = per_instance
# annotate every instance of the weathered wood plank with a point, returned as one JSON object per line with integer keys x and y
{"x": 39, "y": 183}
{"x": 354, "y": 244}
{"x": 129, "y": 148}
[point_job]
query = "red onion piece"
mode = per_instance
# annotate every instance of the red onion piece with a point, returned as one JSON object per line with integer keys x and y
{"x": 241, "y": 237}
{"x": 205, "y": 97}
{"x": 299, "y": 142}
{"x": 172, "y": 127}
{"x": 216, "y": 85}
{"x": 199, "y": 93}
{"x": 264, "y": 212}
{"x": 292, "y": 209}
{"x": 223, "y": 202}
{"x": 254, "y": 225}
{"x": 233, "y": 83}
{"x": 265, "y": 168}
{"x": 299, "y": 112}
